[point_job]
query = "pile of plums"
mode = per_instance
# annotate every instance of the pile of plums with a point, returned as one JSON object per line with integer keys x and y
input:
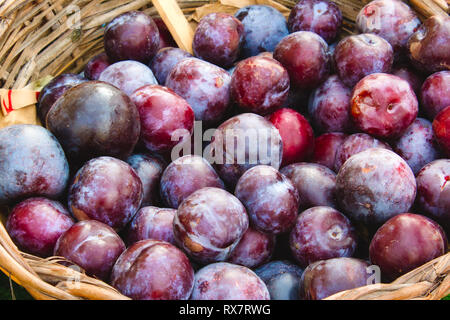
{"x": 321, "y": 163}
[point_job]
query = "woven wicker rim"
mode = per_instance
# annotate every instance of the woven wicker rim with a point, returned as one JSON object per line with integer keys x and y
{"x": 36, "y": 40}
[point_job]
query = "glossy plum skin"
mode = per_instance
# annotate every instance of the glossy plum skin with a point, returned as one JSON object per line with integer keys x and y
{"x": 162, "y": 114}
{"x": 226, "y": 281}
{"x": 354, "y": 144}
{"x": 55, "y": 89}
{"x": 209, "y": 224}
{"x": 394, "y": 21}
{"x": 304, "y": 54}
{"x": 106, "y": 189}
{"x": 260, "y": 36}
{"x": 259, "y": 85}
{"x": 433, "y": 191}
{"x": 165, "y": 37}
{"x": 121, "y": 40}
{"x": 165, "y": 60}
{"x": 296, "y": 134}
{"x": 254, "y": 249}
{"x": 357, "y": 56}
{"x": 270, "y": 198}
{"x": 205, "y": 87}
{"x": 282, "y": 279}
{"x": 36, "y": 224}
{"x": 435, "y": 93}
{"x": 441, "y": 125}
{"x": 218, "y": 39}
{"x": 391, "y": 246}
{"x": 149, "y": 168}
{"x": 185, "y": 175}
{"x": 91, "y": 245}
{"x": 324, "y": 278}
{"x": 383, "y": 105}
{"x": 319, "y": 16}
{"x": 32, "y": 163}
{"x": 128, "y": 76}
{"x": 417, "y": 145}
{"x": 151, "y": 223}
{"x": 96, "y": 65}
{"x": 329, "y": 106}
{"x": 233, "y": 159}
{"x": 428, "y": 46}
{"x": 322, "y": 233}
{"x": 95, "y": 119}
{"x": 375, "y": 185}
{"x": 315, "y": 184}
{"x": 153, "y": 270}
{"x": 325, "y": 148}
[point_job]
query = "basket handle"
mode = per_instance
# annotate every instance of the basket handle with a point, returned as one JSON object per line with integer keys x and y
{"x": 176, "y": 22}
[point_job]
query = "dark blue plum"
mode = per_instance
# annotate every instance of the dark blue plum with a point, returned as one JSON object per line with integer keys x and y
{"x": 264, "y": 27}
{"x": 282, "y": 279}
{"x": 32, "y": 163}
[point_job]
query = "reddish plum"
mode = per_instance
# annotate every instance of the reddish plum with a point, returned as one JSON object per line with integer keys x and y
{"x": 153, "y": 270}
{"x": 322, "y": 233}
{"x": 375, "y": 185}
{"x": 441, "y": 125}
{"x": 184, "y": 176}
{"x": 324, "y": 278}
{"x": 165, "y": 60}
{"x": 282, "y": 279}
{"x": 296, "y": 134}
{"x": 433, "y": 191}
{"x": 53, "y": 90}
{"x": 435, "y": 93}
{"x": 242, "y": 142}
{"x": 165, "y": 37}
{"x": 218, "y": 39}
{"x": 357, "y": 56}
{"x": 320, "y": 16}
{"x": 254, "y": 249}
{"x": 354, "y": 144}
{"x": 315, "y": 184}
{"x": 270, "y": 198}
{"x": 151, "y": 223}
{"x": 91, "y": 245}
{"x": 226, "y": 281}
{"x": 36, "y": 224}
{"x": 259, "y": 85}
{"x": 206, "y": 88}
{"x": 414, "y": 79}
{"x": 106, "y": 189}
{"x": 329, "y": 106}
{"x": 209, "y": 224}
{"x": 304, "y": 54}
{"x": 128, "y": 76}
{"x": 149, "y": 168}
{"x": 166, "y": 118}
{"x": 325, "y": 148}
{"x": 260, "y": 36}
{"x": 32, "y": 163}
{"x": 133, "y": 35}
{"x": 95, "y": 119}
{"x": 428, "y": 46}
{"x": 394, "y": 21}
{"x": 96, "y": 65}
{"x": 417, "y": 145}
{"x": 406, "y": 242}
{"x": 383, "y": 105}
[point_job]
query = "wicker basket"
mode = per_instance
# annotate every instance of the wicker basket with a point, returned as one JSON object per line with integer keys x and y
{"x": 38, "y": 38}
